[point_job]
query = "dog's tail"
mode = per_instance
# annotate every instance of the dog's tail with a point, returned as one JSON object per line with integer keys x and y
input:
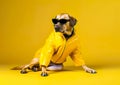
{"x": 18, "y": 67}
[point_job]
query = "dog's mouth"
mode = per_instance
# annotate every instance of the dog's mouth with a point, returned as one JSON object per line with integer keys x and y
{"x": 66, "y": 34}
{"x": 58, "y": 30}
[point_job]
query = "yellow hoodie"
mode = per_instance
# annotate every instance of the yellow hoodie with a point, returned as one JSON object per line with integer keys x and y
{"x": 57, "y": 49}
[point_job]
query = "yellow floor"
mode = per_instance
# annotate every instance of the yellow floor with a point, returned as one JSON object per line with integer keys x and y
{"x": 70, "y": 76}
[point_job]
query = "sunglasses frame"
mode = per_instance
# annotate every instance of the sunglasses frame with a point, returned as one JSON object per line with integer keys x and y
{"x": 62, "y": 21}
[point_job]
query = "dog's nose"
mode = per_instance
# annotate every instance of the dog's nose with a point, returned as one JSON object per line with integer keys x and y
{"x": 57, "y": 27}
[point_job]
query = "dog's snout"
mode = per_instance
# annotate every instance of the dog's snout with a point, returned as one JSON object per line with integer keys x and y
{"x": 57, "y": 27}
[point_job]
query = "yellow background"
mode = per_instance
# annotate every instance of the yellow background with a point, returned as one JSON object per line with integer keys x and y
{"x": 25, "y": 24}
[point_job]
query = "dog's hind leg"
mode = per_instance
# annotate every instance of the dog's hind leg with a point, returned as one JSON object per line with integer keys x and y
{"x": 36, "y": 68}
{"x": 34, "y": 65}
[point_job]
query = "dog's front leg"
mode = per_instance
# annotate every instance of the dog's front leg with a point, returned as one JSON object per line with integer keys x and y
{"x": 44, "y": 71}
{"x": 89, "y": 70}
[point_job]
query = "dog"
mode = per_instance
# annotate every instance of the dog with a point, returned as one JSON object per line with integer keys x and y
{"x": 63, "y": 42}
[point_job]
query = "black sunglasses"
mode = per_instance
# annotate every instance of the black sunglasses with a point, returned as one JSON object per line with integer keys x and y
{"x": 62, "y": 21}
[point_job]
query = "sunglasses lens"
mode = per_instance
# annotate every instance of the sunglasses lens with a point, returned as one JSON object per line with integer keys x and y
{"x": 55, "y": 21}
{"x": 63, "y": 21}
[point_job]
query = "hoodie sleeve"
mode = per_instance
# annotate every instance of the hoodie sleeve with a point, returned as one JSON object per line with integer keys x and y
{"x": 47, "y": 51}
{"x": 77, "y": 58}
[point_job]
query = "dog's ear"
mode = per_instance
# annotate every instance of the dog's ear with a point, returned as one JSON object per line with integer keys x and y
{"x": 73, "y": 21}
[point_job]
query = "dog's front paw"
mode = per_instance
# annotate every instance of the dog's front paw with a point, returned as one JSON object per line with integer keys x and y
{"x": 44, "y": 74}
{"x": 89, "y": 70}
